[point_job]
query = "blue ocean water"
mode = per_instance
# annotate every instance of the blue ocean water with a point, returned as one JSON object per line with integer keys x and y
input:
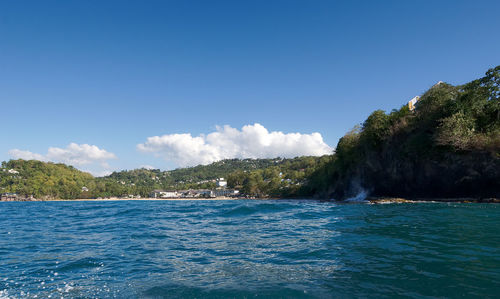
{"x": 248, "y": 248}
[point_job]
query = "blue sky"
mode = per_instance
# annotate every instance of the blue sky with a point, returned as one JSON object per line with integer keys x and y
{"x": 112, "y": 74}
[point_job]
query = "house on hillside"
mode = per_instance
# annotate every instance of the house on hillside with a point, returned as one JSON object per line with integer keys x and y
{"x": 222, "y": 183}
{"x": 412, "y": 102}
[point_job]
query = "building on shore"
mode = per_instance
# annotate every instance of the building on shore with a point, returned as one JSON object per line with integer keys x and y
{"x": 226, "y": 193}
{"x": 195, "y": 193}
{"x": 164, "y": 194}
{"x": 205, "y": 193}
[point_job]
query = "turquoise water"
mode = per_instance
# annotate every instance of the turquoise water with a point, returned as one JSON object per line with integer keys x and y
{"x": 243, "y": 249}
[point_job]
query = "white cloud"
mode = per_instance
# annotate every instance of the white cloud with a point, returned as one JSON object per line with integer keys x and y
{"x": 26, "y": 155}
{"x": 252, "y": 141}
{"x": 148, "y": 167}
{"x": 74, "y": 154}
{"x": 79, "y": 154}
{"x": 100, "y": 173}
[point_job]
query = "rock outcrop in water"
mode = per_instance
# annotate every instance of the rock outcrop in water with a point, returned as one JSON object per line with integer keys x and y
{"x": 448, "y": 146}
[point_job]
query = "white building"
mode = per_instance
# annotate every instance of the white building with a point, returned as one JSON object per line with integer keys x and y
{"x": 221, "y": 183}
{"x": 164, "y": 194}
{"x": 412, "y": 102}
{"x": 13, "y": 171}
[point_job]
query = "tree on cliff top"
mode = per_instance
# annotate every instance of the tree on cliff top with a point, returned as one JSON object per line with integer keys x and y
{"x": 458, "y": 120}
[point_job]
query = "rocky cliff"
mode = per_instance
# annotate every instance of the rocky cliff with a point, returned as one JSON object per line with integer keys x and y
{"x": 447, "y": 146}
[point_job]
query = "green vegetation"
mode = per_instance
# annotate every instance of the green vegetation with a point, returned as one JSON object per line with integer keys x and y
{"x": 40, "y": 179}
{"x": 198, "y": 177}
{"x": 256, "y": 177}
{"x": 448, "y": 146}
{"x": 284, "y": 179}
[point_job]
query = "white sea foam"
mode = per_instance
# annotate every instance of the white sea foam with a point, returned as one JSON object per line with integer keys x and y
{"x": 360, "y": 197}
{"x": 66, "y": 289}
{"x": 4, "y": 294}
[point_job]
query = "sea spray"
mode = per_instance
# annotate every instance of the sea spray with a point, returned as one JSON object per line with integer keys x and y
{"x": 359, "y": 198}
{"x": 357, "y": 193}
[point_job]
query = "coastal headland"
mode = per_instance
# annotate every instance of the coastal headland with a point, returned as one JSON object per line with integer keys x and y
{"x": 442, "y": 145}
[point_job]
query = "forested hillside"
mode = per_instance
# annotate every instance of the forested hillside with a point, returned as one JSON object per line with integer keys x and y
{"x": 449, "y": 146}
{"x": 40, "y": 179}
{"x": 201, "y": 176}
{"x": 257, "y": 177}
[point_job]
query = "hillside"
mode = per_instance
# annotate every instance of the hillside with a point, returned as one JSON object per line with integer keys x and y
{"x": 43, "y": 180}
{"x": 259, "y": 177}
{"x": 254, "y": 176}
{"x": 449, "y": 146}
{"x": 192, "y": 175}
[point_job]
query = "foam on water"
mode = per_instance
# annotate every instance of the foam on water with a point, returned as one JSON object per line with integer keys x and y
{"x": 359, "y": 198}
{"x": 4, "y": 294}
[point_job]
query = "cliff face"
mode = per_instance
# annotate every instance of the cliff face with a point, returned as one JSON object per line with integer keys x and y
{"x": 441, "y": 174}
{"x": 448, "y": 146}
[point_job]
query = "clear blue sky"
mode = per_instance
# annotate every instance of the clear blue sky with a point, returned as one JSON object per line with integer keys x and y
{"x": 112, "y": 73}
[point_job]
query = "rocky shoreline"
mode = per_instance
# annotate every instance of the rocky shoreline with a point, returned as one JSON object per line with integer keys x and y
{"x": 384, "y": 200}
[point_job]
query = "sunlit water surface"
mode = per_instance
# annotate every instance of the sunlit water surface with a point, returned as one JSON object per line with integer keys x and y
{"x": 244, "y": 248}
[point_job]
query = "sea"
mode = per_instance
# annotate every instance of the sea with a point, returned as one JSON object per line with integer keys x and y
{"x": 248, "y": 249}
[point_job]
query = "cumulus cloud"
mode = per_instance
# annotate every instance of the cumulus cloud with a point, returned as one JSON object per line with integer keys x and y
{"x": 74, "y": 154}
{"x": 148, "y": 167}
{"x": 26, "y": 155}
{"x": 79, "y": 154}
{"x": 100, "y": 173}
{"x": 252, "y": 141}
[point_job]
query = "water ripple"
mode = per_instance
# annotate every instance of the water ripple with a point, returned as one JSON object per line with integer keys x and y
{"x": 240, "y": 249}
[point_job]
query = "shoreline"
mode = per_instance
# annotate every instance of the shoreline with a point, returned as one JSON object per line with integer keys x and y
{"x": 384, "y": 200}
{"x": 147, "y": 199}
{"x": 135, "y": 199}
{"x": 369, "y": 199}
